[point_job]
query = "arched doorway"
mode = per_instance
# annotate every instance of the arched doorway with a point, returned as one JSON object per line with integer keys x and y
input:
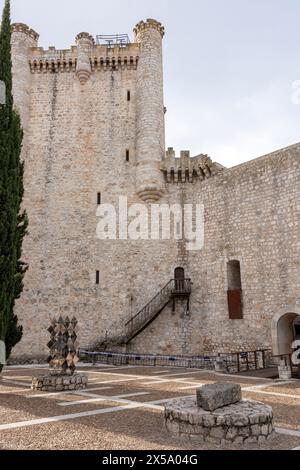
{"x": 285, "y": 330}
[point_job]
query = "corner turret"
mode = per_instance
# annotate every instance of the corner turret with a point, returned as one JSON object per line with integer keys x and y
{"x": 150, "y": 124}
{"x": 84, "y": 43}
{"x": 23, "y": 38}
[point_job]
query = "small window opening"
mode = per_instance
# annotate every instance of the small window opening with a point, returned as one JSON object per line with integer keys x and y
{"x": 128, "y": 95}
{"x": 234, "y": 275}
{"x": 97, "y": 277}
{"x": 235, "y": 306}
{"x": 127, "y": 155}
{"x": 99, "y": 199}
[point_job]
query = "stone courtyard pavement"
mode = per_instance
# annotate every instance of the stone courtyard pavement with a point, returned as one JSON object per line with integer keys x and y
{"x": 122, "y": 408}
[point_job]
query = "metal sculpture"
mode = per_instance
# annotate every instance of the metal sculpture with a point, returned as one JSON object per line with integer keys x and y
{"x": 63, "y": 346}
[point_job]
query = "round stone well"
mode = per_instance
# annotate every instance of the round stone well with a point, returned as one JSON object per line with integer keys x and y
{"x": 226, "y": 419}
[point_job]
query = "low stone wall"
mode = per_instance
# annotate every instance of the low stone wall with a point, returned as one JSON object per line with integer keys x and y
{"x": 239, "y": 423}
{"x": 58, "y": 383}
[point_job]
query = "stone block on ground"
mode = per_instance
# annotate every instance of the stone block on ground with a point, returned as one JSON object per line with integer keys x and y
{"x": 213, "y": 396}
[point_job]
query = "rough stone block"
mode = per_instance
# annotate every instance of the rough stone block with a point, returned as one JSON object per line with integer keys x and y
{"x": 228, "y": 420}
{"x": 209, "y": 421}
{"x": 231, "y": 433}
{"x": 254, "y": 419}
{"x": 240, "y": 420}
{"x": 214, "y": 396}
{"x": 244, "y": 431}
{"x": 263, "y": 418}
{"x": 218, "y": 432}
{"x": 173, "y": 427}
{"x": 265, "y": 430}
{"x": 250, "y": 440}
{"x": 221, "y": 420}
{"x": 255, "y": 430}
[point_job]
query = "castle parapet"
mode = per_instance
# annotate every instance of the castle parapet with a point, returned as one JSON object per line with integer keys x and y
{"x": 186, "y": 169}
{"x": 101, "y": 59}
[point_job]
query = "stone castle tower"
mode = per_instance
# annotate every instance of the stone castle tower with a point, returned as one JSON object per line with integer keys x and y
{"x": 143, "y": 67}
{"x": 94, "y": 130}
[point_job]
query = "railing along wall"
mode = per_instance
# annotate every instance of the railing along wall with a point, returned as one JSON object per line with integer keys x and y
{"x": 235, "y": 362}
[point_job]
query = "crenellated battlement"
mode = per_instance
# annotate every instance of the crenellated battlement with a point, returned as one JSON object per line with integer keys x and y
{"x": 101, "y": 58}
{"x": 186, "y": 168}
{"x": 86, "y": 36}
{"x": 97, "y": 57}
{"x": 52, "y": 60}
{"x": 23, "y": 28}
{"x": 149, "y": 24}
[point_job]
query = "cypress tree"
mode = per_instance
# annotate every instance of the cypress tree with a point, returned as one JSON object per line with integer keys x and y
{"x": 13, "y": 222}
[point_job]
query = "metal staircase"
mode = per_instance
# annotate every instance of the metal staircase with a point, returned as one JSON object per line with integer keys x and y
{"x": 174, "y": 288}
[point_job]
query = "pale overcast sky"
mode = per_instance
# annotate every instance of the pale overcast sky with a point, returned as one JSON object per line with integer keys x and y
{"x": 229, "y": 65}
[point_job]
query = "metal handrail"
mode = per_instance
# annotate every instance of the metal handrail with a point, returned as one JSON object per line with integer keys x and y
{"x": 165, "y": 290}
{"x": 189, "y": 361}
{"x": 152, "y": 300}
{"x": 245, "y": 356}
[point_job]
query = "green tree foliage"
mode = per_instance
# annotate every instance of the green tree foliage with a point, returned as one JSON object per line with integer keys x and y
{"x": 13, "y": 222}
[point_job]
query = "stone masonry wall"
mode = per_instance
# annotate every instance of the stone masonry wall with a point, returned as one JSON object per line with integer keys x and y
{"x": 252, "y": 214}
{"x": 77, "y": 136}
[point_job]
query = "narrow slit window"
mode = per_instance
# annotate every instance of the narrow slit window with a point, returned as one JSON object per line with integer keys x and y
{"x": 128, "y": 95}
{"x": 234, "y": 293}
{"x": 127, "y": 155}
{"x": 97, "y": 278}
{"x": 99, "y": 199}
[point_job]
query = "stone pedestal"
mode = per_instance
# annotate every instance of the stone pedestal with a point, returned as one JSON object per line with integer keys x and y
{"x": 59, "y": 383}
